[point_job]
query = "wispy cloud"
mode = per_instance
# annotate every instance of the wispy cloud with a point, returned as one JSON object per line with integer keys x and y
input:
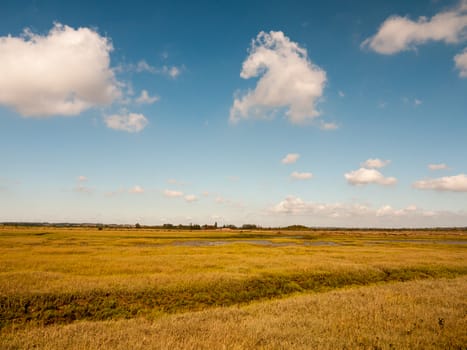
{"x": 129, "y": 122}
{"x": 375, "y": 163}
{"x": 290, "y": 158}
{"x": 170, "y": 71}
{"x": 172, "y": 193}
{"x": 136, "y": 190}
{"x": 328, "y": 126}
{"x": 144, "y": 98}
{"x": 301, "y": 176}
{"x": 439, "y": 166}
{"x": 461, "y": 63}
{"x": 191, "y": 198}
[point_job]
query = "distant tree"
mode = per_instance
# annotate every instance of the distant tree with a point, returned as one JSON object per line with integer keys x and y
{"x": 215, "y": 224}
{"x": 138, "y": 225}
{"x": 249, "y": 227}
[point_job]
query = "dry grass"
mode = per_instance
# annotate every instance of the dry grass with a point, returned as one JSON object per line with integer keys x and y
{"x": 51, "y": 276}
{"x": 430, "y": 314}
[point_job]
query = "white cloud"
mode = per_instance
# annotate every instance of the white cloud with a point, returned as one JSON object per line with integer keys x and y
{"x": 170, "y": 193}
{"x": 144, "y": 98}
{"x": 172, "y": 71}
{"x": 143, "y": 66}
{"x": 417, "y": 102}
{"x": 341, "y": 94}
{"x": 191, "y": 198}
{"x": 400, "y": 33}
{"x": 456, "y": 183}
{"x": 375, "y": 163}
{"x": 82, "y": 178}
{"x": 130, "y": 122}
{"x": 301, "y": 176}
{"x": 288, "y": 80}
{"x": 136, "y": 189}
{"x": 440, "y": 166}
{"x": 355, "y": 214}
{"x": 461, "y": 63}
{"x": 328, "y": 126}
{"x": 364, "y": 176}
{"x": 290, "y": 158}
{"x": 62, "y": 73}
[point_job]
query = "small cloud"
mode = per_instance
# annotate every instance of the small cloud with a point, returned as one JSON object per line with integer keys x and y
{"x": 136, "y": 189}
{"x": 440, "y": 166}
{"x": 144, "y": 98}
{"x": 341, "y": 94}
{"x": 143, "y": 66}
{"x": 417, "y": 102}
{"x": 172, "y": 194}
{"x": 301, "y": 176}
{"x": 191, "y": 198}
{"x": 82, "y": 178}
{"x": 461, "y": 63}
{"x": 130, "y": 122}
{"x": 172, "y": 71}
{"x": 457, "y": 183}
{"x": 233, "y": 178}
{"x": 365, "y": 176}
{"x": 328, "y": 126}
{"x": 290, "y": 158}
{"x": 375, "y": 163}
{"x": 382, "y": 104}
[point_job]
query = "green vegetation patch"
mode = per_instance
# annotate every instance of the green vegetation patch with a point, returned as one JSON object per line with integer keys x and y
{"x": 45, "y": 309}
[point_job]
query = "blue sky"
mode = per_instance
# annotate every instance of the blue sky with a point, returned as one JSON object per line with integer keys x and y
{"x": 323, "y": 114}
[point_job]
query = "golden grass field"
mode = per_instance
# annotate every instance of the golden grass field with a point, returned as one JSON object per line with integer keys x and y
{"x": 84, "y": 288}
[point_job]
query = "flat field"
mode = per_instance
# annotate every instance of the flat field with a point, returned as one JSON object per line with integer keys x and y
{"x": 117, "y": 288}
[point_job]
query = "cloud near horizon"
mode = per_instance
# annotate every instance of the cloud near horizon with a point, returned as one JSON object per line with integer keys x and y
{"x": 136, "y": 189}
{"x": 62, "y": 73}
{"x": 456, "y": 183}
{"x": 173, "y": 194}
{"x": 287, "y": 80}
{"x": 364, "y": 176}
{"x": 190, "y": 198}
{"x": 351, "y": 214}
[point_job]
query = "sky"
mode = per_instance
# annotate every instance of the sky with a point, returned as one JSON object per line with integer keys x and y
{"x": 336, "y": 113}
